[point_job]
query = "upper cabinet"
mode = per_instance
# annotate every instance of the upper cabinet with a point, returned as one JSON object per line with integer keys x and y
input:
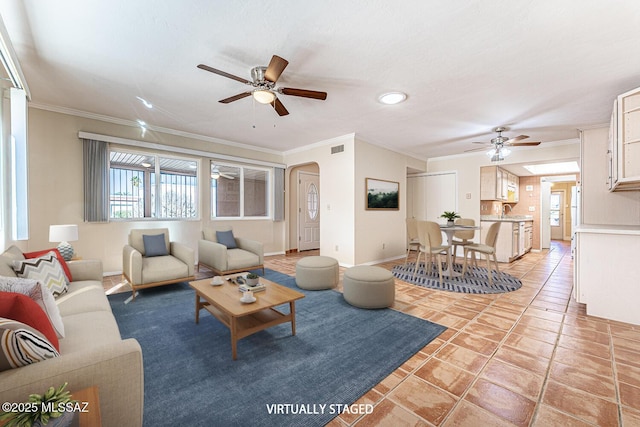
{"x": 624, "y": 143}
{"x": 499, "y": 184}
{"x": 513, "y": 188}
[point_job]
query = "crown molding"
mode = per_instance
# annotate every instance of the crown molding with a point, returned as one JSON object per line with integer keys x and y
{"x": 131, "y": 123}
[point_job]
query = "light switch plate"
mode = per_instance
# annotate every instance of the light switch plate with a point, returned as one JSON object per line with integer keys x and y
{"x": 532, "y": 208}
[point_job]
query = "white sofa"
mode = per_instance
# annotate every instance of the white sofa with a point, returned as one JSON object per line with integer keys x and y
{"x": 92, "y": 353}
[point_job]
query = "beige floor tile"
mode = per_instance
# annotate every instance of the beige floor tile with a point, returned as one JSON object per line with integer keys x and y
{"x": 522, "y": 360}
{"x": 475, "y": 343}
{"x": 423, "y": 399}
{"x": 462, "y": 357}
{"x": 388, "y": 413}
{"x": 445, "y": 376}
{"x": 529, "y": 345}
{"x": 584, "y": 346}
{"x": 590, "y": 364}
{"x": 578, "y": 378}
{"x": 581, "y": 404}
{"x": 515, "y": 379}
{"x": 547, "y": 416}
{"x": 466, "y": 414}
{"x": 502, "y": 402}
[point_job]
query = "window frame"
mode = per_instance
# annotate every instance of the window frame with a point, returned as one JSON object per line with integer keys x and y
{"x": 154, "y": 193}
{"x": 242, "y": 166}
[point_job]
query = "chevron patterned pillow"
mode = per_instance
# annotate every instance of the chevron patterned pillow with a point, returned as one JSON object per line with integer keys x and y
{"x": 45, "y": 269}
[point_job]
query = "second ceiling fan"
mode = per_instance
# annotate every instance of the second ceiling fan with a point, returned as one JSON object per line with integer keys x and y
{"x": 264, "y": 85}
{"x": 500, "y": 143}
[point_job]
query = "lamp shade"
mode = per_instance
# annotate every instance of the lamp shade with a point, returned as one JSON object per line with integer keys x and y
{"x": 63, "y": 233}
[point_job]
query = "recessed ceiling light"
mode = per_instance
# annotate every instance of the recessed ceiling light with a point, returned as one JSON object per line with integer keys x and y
{"x": 145, "y": 102}
{"x": 141, "y": 123}
{"x": 391, "y": 98}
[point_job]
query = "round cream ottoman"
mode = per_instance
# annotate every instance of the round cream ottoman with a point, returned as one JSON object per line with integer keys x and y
{"x": 315, "y": 273}
{"x": 367, "y": 286}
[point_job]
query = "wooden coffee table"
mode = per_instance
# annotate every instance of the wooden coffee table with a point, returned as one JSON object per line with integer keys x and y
{"x": 223, "y": 302}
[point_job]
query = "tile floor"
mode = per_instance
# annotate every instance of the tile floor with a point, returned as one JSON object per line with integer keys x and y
{"x": 526, "y": 358}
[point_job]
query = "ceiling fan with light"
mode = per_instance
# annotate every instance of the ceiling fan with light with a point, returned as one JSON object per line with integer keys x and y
{"x": 216, "y": 173}
{"x": 500, "y": 144}
{"x": 264, "y": 85}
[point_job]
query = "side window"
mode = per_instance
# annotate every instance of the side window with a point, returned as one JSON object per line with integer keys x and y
{"x": 239, "y": 191}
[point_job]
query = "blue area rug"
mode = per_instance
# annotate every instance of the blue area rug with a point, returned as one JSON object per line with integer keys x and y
{"x": 338, "y": 354}
{"x": 475, "y": 280}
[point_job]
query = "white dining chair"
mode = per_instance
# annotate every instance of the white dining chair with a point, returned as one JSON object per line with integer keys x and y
{"x": 413, "y": 242}
{"x": 462, "y": 237}
{"x": 488, "y": 249}
{"x": 430, "y": 238}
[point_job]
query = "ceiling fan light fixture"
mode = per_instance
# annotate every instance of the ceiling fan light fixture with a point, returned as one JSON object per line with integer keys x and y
{"x": 264, "y": 96}
{"x": 392, "y": 98}
{"x": 215, "y": 175}
{"x": 498, "y": 154}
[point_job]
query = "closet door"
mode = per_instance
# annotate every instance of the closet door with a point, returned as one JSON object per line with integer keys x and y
{"x": 441, "y": 191}
{"x": 416, "y": 197}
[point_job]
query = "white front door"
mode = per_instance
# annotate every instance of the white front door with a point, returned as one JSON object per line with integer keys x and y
{"x": 308, "y": 211}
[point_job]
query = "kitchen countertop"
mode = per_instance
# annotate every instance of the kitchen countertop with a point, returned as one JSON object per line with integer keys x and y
{"x": 506, "y": 218}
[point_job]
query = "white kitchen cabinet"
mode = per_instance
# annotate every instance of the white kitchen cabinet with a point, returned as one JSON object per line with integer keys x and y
{"x": 494, "y": 183}
{"x": 513, "y": 188}
{"x": 624, "y": 147}
{"x": 608, "y": 285}
{"x": 512, "y": 240}
{"x": 528, "y": 236}
{"x": 505, "y": 251}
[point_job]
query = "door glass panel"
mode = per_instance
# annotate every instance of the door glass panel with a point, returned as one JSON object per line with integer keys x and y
{"x": 554, "y": 210}
{"x": 312, "y": 201}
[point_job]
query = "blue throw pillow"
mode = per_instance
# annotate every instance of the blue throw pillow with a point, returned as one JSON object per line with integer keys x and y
{"x": 226, "y": 238}
{"x": 154, "y": 245}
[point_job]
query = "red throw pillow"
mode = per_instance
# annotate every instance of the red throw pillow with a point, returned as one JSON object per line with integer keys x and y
{"x": 65, "y": 267}
{"x": 23, "y": 309}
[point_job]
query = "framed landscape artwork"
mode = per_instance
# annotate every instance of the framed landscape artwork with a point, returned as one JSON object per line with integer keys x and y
{"x": 382, "y": 195}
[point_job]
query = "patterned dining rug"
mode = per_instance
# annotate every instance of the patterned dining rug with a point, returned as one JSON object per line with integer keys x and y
{"x": 475, "y": 280}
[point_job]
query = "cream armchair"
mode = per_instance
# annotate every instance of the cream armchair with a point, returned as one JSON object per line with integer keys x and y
{"x": 151, "y": 259}
{"x": 213, "y": 254}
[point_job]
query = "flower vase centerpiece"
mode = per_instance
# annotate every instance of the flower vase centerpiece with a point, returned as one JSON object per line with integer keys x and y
{"x": 450, "y": 216}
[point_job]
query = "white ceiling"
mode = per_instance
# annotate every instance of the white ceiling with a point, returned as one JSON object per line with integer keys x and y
{"x": 543, "y": 68}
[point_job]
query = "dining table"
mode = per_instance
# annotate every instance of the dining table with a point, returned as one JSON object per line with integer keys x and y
{"x": 450, "y": 230}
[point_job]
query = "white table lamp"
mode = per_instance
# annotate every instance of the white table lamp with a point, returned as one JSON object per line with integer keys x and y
{"x": 64, "y": 234}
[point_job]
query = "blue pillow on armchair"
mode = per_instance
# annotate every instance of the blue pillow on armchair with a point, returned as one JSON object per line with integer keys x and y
{"x": 154, "y": 245}
{"x": 226, "y": 238}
